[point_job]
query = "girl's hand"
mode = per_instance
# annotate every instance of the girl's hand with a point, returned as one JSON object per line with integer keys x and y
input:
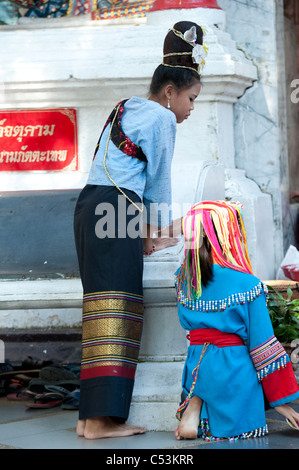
{"x": 289, "y": 414}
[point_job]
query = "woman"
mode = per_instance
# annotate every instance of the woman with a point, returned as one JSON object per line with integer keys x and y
{"x": 130, "y": 174}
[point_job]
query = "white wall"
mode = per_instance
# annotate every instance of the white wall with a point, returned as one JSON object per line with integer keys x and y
{"x": 260, "y": 115}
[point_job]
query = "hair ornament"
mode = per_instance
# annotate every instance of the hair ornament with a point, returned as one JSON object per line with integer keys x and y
{"x": 190, "y": 35}
{"x": 199, "y": 51}
{"x": 199, "y": 55}
{"x": 222, "y": 223}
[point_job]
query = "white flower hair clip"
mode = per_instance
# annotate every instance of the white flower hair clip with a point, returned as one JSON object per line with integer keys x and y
{"x": 199, "y": 55}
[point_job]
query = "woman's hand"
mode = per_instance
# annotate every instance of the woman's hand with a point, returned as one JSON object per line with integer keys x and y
{"x": 151, "y": 245}
{"x": 289, "y": 413}
{"x": 148, "y": 246}
{"x": 157, "y": 239}
{"x": 162, "y": 243}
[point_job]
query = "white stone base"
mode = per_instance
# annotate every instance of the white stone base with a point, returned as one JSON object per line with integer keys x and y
{"x": 156, "y": 395}
{"x": 154, "y": 416}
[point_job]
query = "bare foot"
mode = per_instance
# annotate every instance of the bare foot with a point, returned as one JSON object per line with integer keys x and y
{"x": 80, "y": 427}
{"x": 188, "y": 427}
{"x": 98, "y": 428}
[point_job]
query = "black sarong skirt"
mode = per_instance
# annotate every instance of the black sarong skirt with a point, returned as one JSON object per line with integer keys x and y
{"x": 110, "y": 254}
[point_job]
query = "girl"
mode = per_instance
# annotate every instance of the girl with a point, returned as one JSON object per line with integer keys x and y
{"x": 233, "y": 358}
{"x": 131, "y": 166}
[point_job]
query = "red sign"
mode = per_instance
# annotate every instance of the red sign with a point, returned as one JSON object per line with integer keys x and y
{"x": 32, "y": 140}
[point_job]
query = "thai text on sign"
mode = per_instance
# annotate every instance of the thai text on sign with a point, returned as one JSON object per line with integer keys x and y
{"x": 34, "y": 140}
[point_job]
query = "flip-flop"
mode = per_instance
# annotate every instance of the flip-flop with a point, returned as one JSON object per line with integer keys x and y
{"x": 62, "y": 387}
{"x": 291, "y": 425}
{"x": 22, "y": 395}
{"x": 15, "y": 385}
{"x": 46, "y": 400}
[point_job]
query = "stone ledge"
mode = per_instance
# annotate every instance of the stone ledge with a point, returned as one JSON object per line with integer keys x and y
{"x": 60, "y": 346}
{"x": 66, "y": 293}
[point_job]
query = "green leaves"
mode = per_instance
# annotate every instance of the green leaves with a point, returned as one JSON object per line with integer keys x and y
{"x": 284, "y": 315}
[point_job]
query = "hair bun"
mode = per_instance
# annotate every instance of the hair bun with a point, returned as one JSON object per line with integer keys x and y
{"x": 183, "y": 46}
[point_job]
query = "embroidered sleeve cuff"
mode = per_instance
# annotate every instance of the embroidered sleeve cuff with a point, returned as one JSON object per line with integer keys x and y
{"x": 268, "y": 357}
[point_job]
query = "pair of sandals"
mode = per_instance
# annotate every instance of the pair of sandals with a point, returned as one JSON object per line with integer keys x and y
{"x": 56, "y": 385}
{"x": 70, "y": 401}
{"x": 54, "y": 396}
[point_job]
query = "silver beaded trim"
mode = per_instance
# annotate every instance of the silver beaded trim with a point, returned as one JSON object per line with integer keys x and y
{"x": 222, "y": 304}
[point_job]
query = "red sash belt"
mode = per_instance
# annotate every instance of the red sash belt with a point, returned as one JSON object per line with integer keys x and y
{"x": 214, "y": 336}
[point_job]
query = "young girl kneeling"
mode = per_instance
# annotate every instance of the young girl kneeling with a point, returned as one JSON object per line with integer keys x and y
{"x": 234, "y": 358}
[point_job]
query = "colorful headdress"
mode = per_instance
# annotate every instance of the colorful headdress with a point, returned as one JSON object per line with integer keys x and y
{"x": 222, "y": 223}
{"x": 184, "y": 47}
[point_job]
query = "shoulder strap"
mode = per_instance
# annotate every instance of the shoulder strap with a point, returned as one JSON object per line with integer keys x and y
{"x": 118, "y": 137}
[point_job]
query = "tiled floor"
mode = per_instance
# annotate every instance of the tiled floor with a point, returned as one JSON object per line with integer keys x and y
{"x": 23, "y": 428}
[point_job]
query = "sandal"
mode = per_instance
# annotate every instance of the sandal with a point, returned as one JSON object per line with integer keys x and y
{"x": 63, "y": 387}
{"x": 22, "y": 395}
{"x": 46, "y": 400}
{"x": 15, "y": 385}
